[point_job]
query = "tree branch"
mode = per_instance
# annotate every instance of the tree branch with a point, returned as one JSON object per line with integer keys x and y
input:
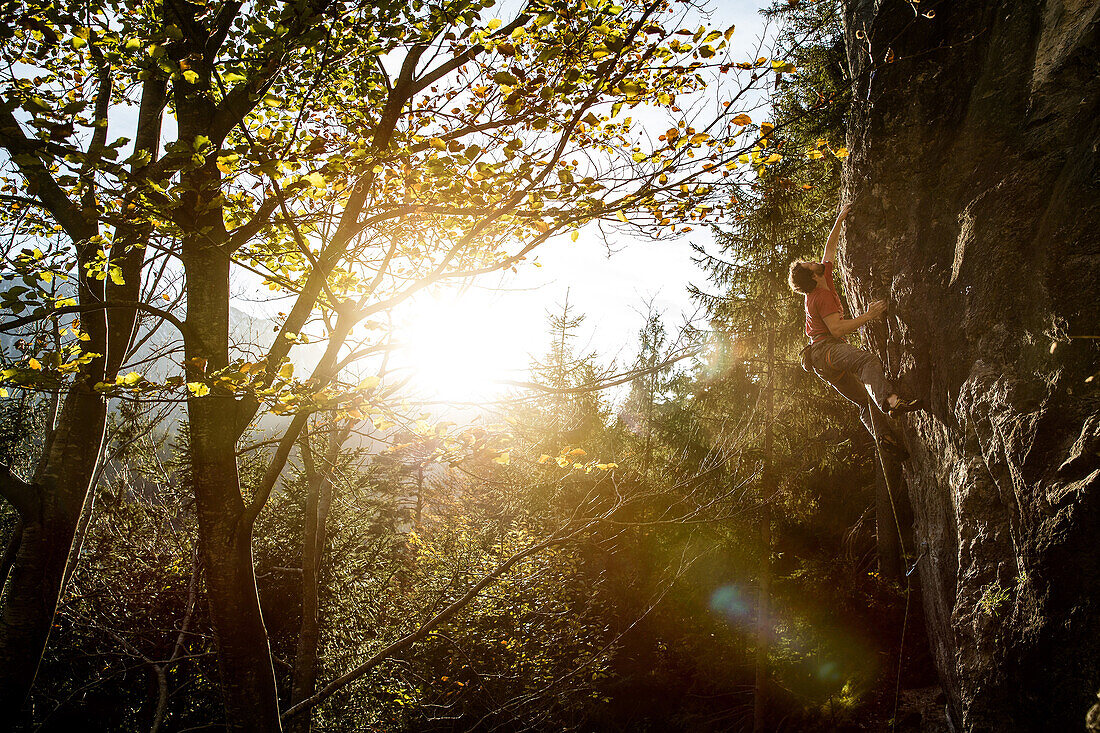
{"x": 18, "y": 492}
{"x": 136, "y": 305}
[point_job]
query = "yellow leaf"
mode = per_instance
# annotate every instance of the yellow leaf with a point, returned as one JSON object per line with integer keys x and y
{"x": 34, "y": 364}
{"x": 503, "y": 459}
{"x": 286, "y": 371}
{"x": 702, "y": 137}
{"x": 841, "y": 153}
{"x": 578, "y": 452}
{"x": 815, "y": 154}
{"x": 438, "y": 143}
{"x": 129, "y": 379}
{"x": 545, "y": 458}
{"x": 369, "y": 383}
{"x": 620, "y": 216}
{"x": 562, "y": 462}
{"x": 165, "y": 296}
{"x": 574, "y": 234}
{"x": 494, "y": 24}
{"x": 742, "y": 119}
{"x": 316, "y": 180}
{"x": 199, "y": 389}
{"x": 3, "y": 392}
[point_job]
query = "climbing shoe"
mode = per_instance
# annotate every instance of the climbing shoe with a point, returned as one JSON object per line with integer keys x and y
{"x": 905, "y": 405}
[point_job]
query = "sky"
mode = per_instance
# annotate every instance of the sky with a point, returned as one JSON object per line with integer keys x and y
{"x": 455, "y": 342}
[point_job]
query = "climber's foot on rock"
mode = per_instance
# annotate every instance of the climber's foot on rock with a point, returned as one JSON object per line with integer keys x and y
{"x": 901, "y": 405}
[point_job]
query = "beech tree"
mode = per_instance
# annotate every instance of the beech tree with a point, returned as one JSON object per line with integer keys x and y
{"x": 347, "y": 155}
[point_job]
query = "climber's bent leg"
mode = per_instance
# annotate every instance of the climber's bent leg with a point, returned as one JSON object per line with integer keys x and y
{"x": 882, "y": 432}
{"x": 866, "y": 367}
{"x": 853, "y": 390}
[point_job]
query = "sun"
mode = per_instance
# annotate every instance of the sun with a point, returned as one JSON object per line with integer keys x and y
{"x": 459, "y": 347}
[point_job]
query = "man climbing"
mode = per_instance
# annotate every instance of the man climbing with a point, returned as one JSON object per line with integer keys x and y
{"x": 852, "y": 371}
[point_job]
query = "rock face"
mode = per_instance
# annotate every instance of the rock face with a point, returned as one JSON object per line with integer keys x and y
{"x": 974, "y": 174}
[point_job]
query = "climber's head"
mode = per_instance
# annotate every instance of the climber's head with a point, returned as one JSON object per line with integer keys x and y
{"x": 805, "y": 276}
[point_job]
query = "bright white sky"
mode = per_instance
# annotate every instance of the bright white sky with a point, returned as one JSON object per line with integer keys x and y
{"x": 459, "y": 346}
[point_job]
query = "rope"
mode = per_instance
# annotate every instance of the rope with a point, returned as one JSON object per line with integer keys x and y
{"x": 908, "y": 573}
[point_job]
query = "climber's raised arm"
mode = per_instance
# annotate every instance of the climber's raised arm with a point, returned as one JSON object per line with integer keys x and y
{"x": 829, "y": 254}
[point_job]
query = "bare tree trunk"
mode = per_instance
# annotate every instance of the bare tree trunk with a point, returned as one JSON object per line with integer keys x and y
{"x": 318, "y": 506}
{"x": 49, "y": 513}
{"x": 50, "y": 506}
{"x": 225, "y": 534}
{"x": 10, "y": 551}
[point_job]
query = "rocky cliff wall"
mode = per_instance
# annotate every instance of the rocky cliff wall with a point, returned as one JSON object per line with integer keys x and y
{"x": 976, "y": 188}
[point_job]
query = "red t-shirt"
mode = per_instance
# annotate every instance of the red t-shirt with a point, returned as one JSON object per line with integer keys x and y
{"x": 820, "y": 303}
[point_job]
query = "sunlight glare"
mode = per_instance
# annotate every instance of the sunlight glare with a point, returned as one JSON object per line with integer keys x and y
{"x": 460, "y": 347}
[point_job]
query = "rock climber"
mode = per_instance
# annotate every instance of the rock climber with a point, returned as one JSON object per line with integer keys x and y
{"x": 852, "y": 371}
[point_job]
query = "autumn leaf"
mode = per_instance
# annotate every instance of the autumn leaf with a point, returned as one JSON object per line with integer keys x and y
{"x": 742, "y": 119}
{"x": 199, "y": 389}
{"x": 129, "y": 379}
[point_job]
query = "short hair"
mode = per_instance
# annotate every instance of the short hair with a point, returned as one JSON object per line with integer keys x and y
{"x": 801, "y": 278}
